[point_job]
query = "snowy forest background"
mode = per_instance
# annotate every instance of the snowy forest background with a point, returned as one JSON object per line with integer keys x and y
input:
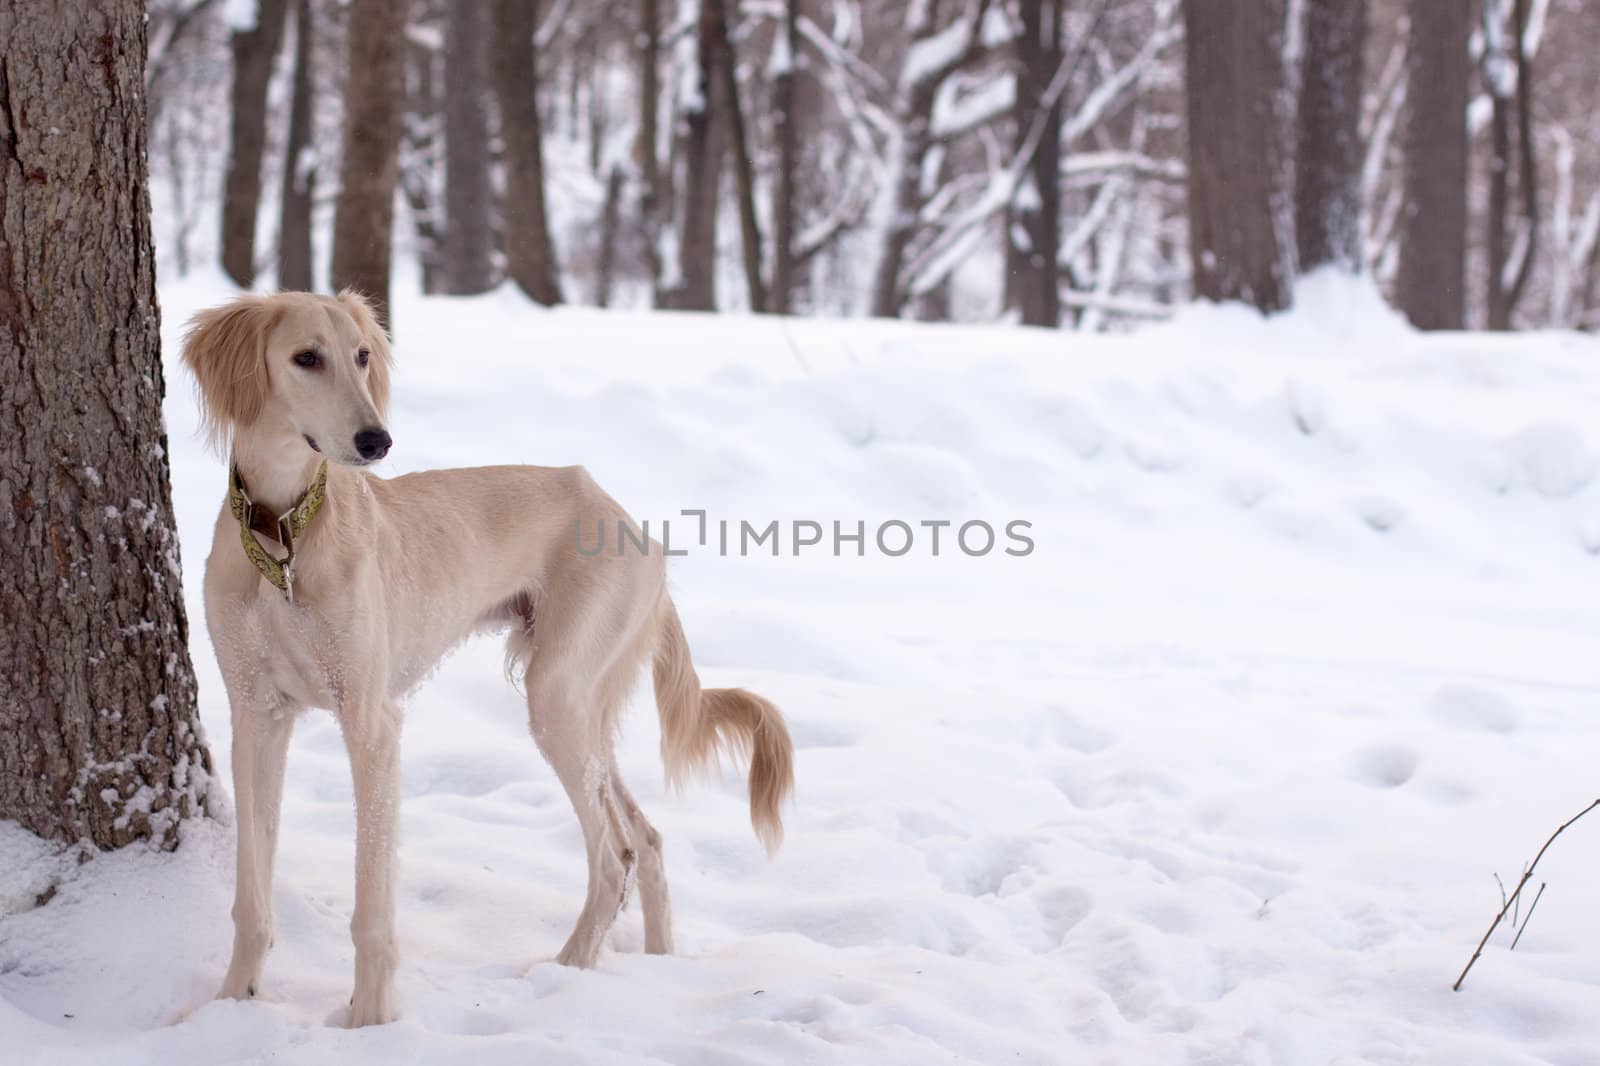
{"x": 965, "y": 160}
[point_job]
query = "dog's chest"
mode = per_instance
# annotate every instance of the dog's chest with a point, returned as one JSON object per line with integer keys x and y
{"x": 293, "y": 652}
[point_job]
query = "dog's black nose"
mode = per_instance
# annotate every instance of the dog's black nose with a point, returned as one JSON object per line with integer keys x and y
{"x": 373, "y": 442}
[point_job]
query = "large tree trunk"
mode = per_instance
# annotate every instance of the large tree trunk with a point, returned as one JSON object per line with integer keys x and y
{"x": 1240, "y": 214}
{"x": 99, "y": 734}
{"x": 704, "y": 147}
{"x": 1431, "y": 285}
{"x": 787, "y": 117}
{"x": 1034, "y": 235}
{"x": 1329, "y": 152}
{"x": 530, "y": 253}
{"x": 254, "y": 52}
{"x": 374, "y": 110}
{"x": 468, "y": 193}
{"x": 299, "y": 164}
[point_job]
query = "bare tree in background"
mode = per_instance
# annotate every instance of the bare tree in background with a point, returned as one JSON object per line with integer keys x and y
{"x": 374, "y": 111}
{"x": 743, "y": 168}
{"x": 422, "y": 144}
{"x": 530, "y": 252}
{"x": 705, "y": 143}
{"x": 1508, "y": 77}
{"x": 100, "y": 738}
{"x": 786, "y": 117}
{"x": 1328, "y": 150}
{"x": 652, "y": 195}
{"x": 255, "y": 50}
{"x": 1033, "y": 235}
{"x": 299, "y": 163}
{"x": 1240, "y": 219}
{"x": 468, "y": 253}
{"x": 1431, "y": 285}
{"x": 929, "y": 63}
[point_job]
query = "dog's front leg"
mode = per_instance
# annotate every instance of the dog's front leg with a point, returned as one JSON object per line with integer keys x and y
{"x": 260, "y": 747}
{"x": 372, "y": 734}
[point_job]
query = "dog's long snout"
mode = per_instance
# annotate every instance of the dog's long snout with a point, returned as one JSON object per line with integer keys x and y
{"x": 373, "y": 443}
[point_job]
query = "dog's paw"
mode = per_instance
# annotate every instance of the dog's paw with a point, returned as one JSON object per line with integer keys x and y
{"x": 237, "y": 987}
{"x": 374, "y": 1006}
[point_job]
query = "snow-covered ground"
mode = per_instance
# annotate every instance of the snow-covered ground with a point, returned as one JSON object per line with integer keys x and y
{"x": 1305, "y": 652}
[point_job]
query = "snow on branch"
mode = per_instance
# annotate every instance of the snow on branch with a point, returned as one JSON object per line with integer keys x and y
{"x": 952, "y": 246}
{"x": 1130, "y": 163}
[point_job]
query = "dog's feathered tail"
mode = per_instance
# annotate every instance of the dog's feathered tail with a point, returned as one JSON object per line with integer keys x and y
{"x": 698, "y": 726}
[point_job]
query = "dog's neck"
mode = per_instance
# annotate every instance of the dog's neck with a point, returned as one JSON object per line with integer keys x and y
{"x": 277, "y": 466}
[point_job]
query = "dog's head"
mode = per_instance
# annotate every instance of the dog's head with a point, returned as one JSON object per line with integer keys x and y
{"x": 316, "y": 367}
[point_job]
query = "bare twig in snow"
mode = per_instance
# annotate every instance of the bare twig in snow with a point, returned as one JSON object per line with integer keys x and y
{"x": 1517, "y": 892}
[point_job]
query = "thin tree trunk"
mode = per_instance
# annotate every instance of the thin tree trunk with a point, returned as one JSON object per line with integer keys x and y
{"x": 1529, "y": 168}
{"x": 1329, "y": 152}
{"x": 1504, "y": 293}
{"x": 787, "y": 117}
{"x": 100, "y": 739}
{"x": 363, "y": 220}
{"x": 420, "y": 161}
{"x": 1431, "y": 284}
{"x": 743, "y": 169}
{"x": 468, "y": 253}
{"x": 254, "y": 53}
{"x": 651, "y": 193}
{"x": 1497, "y": 220}
{"x": 1240, "y": 213}
{"x": 610, "y": 213}
{"x": 1034, "y": 235}
{"x": 299, "y": 164}
{"x": 705, "y": 144}
{"x": 530, "y": 253}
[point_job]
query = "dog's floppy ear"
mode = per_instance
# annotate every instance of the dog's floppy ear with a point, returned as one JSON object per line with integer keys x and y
{"x": 226, "y": 350}
{"x": 380, "y": 364}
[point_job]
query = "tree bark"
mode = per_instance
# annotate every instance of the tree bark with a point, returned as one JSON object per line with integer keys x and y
{"x": 363, "y": 219}
{"x": 1430, "y": 287}
{"x": 706, "y": 142}
{"x": 1034, "y": 235}
{"x": 1240, "y": 213}
{"x": 468, "y": 253}
{"x": 299, "y": 164}
{"x": 100, "y": 739}
{"x": 787, "y": 117}
{"x": 1329, "y": 152}
{"x": 530, "y": 253}
{"x": 254, "y": 52}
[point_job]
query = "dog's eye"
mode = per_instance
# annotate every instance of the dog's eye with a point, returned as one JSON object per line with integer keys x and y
{"x": 362, "y": 356}
{"x": 307, "y": 359}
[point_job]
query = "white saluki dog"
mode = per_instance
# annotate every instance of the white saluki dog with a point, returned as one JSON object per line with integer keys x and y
{"x": 330, "y": 587}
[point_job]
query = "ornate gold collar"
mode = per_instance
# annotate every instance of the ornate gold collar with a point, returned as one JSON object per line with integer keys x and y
{"x": 285, "y": 528}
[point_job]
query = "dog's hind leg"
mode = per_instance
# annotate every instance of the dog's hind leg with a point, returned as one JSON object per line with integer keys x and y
{"x": 260, "y": 748}
{"x": 653, "y": 896}
{"x": 567, "y": 736}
